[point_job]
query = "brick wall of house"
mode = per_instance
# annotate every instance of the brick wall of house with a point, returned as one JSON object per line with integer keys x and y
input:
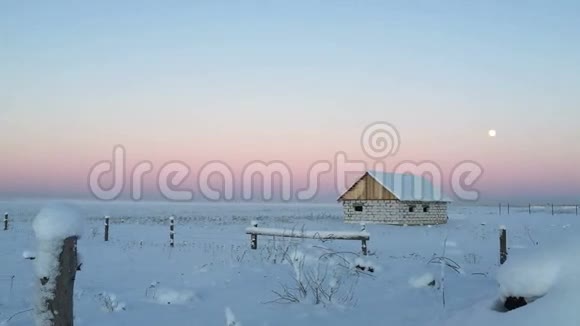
{"x": 394, "y": 212}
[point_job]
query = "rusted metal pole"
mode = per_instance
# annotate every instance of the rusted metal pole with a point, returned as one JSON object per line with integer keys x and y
{"x": 254, "y": 237}
{"x": 502, "y": 246}
{"x": 106, "y": 228}
{"x": 172, "y": 231}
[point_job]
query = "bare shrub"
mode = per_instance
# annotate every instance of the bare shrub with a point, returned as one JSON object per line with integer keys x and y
{"x": 276, "y": 250}
{"x": 151, "y": 290}
{"x": 109, "y": 302}
{"x": 529, "y": 233}
{"x": 324, "y": 279}
{"x": 447, "y": 262}
{"x": 472, "y": 258}
{"x": 444, "y": 261}
{"x": 94, "y": 232}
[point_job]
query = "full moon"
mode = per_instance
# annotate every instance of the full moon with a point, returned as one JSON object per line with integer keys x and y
{"x": 491, "y": 133}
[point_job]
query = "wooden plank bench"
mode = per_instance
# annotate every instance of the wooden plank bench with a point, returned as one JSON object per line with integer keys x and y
{"x": 254, "y": 231}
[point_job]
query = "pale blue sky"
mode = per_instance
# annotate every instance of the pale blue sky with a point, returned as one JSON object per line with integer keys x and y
{"x": 136, "y": 71}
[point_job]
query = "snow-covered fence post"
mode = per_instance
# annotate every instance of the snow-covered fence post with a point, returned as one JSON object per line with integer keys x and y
{"x": 254, "y": 237}
{"x": 172, "y": 231}
{"x": 364, "y": 247}
{"x": 106, "y": 228}
{"x": 502, "y": 245}
{"x": 5, "y": 221}
{"x": 57, "y": 230}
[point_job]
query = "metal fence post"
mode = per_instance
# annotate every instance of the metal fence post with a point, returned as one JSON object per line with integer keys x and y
{"x": 106, "y": 228}
{"x": 172, "y": 231}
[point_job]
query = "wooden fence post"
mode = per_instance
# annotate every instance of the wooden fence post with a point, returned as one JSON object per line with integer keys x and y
{"x": 502, "y": 245}
{"x": 576, "y": 209}
{"x": 5, "y": 221}
{"x": 508, "y": 207}
{"x": 364, "y": 242}
{"x": 499, "y": 208}
{"x": 254, "y": 237}
{"x": 106, "y": 228}
{"x": 57, "y": 303}
{"x": 172, "y": 231}
{"x": 530, "y": 208}
{"x": 364, "y": 247}
{"x": 552, "y": 209}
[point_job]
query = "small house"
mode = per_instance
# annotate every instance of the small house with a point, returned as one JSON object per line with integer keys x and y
{"x": 391, "y": 198}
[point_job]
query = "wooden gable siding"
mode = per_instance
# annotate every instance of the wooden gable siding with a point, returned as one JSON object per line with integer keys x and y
{"x": 367, "y": 188}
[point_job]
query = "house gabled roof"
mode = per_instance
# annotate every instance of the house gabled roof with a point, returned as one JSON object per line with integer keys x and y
{"x": 405, "y": 187}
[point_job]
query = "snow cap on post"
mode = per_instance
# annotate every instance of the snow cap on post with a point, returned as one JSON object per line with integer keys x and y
{"x": 57, "y": 222}
{"x": 363, "y": 226}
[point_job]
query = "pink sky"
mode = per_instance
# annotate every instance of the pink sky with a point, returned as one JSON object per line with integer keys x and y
{"x": 57, "y": 165}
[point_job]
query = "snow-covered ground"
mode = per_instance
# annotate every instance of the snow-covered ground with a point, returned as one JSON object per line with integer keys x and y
{"x": 211, "y": 277}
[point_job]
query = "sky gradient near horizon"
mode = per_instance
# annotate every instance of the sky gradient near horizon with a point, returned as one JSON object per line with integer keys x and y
{"x": 293, "y": 81}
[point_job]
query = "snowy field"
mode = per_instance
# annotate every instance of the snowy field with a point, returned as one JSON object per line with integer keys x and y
{"x": 211, "y": 277}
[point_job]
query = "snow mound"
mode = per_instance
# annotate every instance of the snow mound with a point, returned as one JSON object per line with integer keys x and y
{"x": 422, "y": 281}
{"x": 57, "y": 222}
{"x": 169, "y": 296}
{"x": 530, "y": 276}
{"x": 450, "y": 243}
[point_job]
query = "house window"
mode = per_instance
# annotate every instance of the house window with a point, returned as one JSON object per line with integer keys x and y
{"x": 358, "y": 208}
{"x": 426, "y": 209}
{"x": 411, "y": 208}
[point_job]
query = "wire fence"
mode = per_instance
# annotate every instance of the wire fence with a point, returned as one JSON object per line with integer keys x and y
{"x": 553, "y": 209}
